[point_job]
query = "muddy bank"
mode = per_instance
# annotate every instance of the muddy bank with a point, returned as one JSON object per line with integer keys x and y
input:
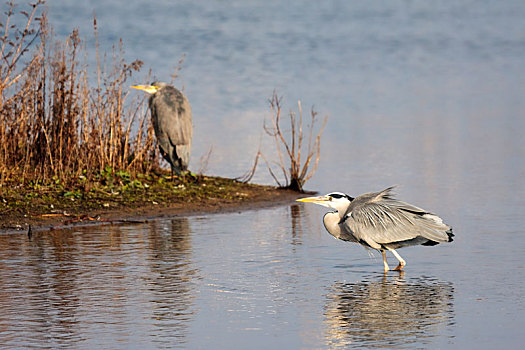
{"x": 47, "y": 210}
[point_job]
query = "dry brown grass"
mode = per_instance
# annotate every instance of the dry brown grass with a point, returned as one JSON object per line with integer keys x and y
{"x": 53, "y": 124}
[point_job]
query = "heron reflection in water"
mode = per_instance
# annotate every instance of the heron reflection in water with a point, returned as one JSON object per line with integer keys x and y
{"x": 376, "y": 220}
{"x": 387, "y": 313}
{"x": 172, "y": 122}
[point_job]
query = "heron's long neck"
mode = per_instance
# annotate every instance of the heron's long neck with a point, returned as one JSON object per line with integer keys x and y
{"x": 331, "y": 223}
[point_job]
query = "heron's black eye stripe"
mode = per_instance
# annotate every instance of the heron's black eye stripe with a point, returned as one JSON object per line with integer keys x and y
{"x": 336, "y": 195}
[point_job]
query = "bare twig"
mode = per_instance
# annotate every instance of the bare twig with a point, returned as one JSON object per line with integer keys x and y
{"x": 204, "y": 162}
{"x": 295, "y": 172}
{"x": 178, "y": 68}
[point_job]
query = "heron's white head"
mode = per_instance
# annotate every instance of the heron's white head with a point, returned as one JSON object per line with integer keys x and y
{"x": 335, "y": 200}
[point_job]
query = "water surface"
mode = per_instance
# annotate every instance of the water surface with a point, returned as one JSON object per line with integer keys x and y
{"x": 254, "y": 279}
{"x": 203, "y": 282}
{"x": 425, "y": 95}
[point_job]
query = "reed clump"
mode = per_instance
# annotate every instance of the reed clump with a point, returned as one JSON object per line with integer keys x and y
{"x": 54, "y": 126}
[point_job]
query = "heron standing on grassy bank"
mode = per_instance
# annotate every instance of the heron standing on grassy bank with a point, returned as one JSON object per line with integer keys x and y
{"x": 376, "y": 220}
{"x": 171, "y": 116}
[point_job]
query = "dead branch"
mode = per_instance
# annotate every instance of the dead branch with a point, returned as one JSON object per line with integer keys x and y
{"x": 295, "y": 171}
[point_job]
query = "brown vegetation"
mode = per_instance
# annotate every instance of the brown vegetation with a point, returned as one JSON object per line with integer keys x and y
{"x": 53, "y": 125}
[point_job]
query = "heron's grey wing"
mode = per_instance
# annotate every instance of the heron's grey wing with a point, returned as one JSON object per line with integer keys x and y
{"x": 174, "y": 116}
{"x": 383, "y": 220}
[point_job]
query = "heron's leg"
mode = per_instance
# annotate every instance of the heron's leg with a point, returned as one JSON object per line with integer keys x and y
{"x": 174, "y": 172}
{"x": 402, "y": 262}
{"x": 384, "y": 260}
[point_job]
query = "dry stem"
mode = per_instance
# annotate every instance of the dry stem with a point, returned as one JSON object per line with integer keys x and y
{"x": 295, "y": 169}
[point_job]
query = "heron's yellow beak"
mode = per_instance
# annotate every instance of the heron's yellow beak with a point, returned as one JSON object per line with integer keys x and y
{"x": 150, "y": 89}
{"x": 317, "y": 200}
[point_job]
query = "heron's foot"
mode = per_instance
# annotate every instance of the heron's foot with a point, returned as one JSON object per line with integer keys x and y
{"x": 399, "y": 267}
{"x": 402, "y": 262}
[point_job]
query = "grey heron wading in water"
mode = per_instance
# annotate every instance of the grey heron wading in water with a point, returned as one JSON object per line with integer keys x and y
{"x": 376, "y": 220}
{"x": 171, "y": 116}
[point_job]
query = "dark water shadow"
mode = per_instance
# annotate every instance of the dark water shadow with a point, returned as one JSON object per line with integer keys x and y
{"x": 171, "y": 281}
{"x": 385, "y": 311}
{"x": 296, "y": 214}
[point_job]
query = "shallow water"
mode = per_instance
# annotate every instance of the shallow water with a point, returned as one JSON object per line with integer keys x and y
{"x": 428, "y": 96}
{"x": 254, "y": 279}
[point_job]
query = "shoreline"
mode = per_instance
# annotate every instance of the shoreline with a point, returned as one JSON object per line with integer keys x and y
{"x": 254, "y": 197}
